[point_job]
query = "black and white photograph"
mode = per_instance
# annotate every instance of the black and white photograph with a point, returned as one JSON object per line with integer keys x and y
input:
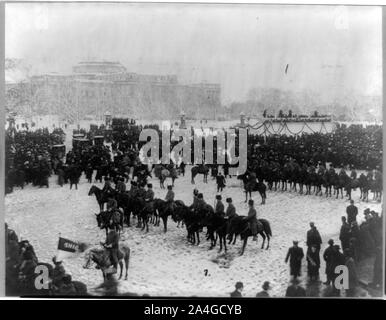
{"x": 193, "y": 150}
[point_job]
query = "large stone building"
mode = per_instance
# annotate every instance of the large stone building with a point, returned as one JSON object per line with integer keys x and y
{"x": 95, "y": 87}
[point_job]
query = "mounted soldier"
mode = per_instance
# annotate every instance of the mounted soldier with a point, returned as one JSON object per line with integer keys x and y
{"x": 353, "y": 174}
{"x": 120, "y": 187}
{"x": 195, "y": 200}
{"x": 112, "y": 246}
{"x": 219, "y": 209}
{"x": 169, "y": 198}
{"x": 149, "y": 197}
{"x": 252, "y": 219}
{"x": 230, "y": 213}
{"x": 107, "y": 188}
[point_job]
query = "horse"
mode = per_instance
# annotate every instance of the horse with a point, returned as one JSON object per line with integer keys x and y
{"x": 164, "y": 211}
{"x": 251, "y": 185}
{"x": 240, "y": 226}
{"x": 110, "y": 220}
{"x": 217, "y": 229}
{"x": 100, "y": 196}
{"x": 101, "y": 258}
{"x": 200, "y": 169}
{"x": 163, "y": 173}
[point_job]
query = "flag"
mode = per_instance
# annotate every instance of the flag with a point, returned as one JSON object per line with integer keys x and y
{"x": 66, "y": 248}
{"x": 67, "y": 245}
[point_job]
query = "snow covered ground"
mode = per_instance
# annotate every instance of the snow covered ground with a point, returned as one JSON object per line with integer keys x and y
{"x": 165, "y": 264}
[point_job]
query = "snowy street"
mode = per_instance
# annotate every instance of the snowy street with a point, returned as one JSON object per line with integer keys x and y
{"x": 165, "y": 264}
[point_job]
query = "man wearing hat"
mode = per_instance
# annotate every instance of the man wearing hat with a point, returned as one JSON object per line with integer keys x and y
{"x": 295, "y": 255}
{"x": 230, "y": 214}
{"x": 170, "y": 197}
{"x": 149, "y": 197}
{"x": 294, "y": 290}
{"x": 219, "y": 209}
{"x": 313, "y": 237}
{"x": 238, "y": 289}
{"x": 120, "y": 187}
{"x": 264, "y": 293}
{"x": 252, "y": 219}
{"x": 353, "y": 174}
{"x": 107, "y": 188}
{"x": 352, "y": 212}
{"x": 220, "y": 181}
{"x": 337, "y": 260}
{"x": 200, "y": 203}
{"x": 328, "y": 257}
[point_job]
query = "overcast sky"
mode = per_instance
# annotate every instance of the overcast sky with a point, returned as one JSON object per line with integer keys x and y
{"x": 331, "y": 50}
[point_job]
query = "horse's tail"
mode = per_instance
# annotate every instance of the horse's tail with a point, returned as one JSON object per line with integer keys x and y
{"x": 267, "y": 226}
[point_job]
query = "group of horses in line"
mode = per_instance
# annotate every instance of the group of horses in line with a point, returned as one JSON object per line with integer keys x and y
{"x": 288, "y": 178}
{"x": 194, "y": 219}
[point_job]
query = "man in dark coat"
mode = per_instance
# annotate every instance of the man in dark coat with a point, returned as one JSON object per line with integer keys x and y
{"x": 219, "y": 209}
{"x": 238, "y": 289}
{"x": 112, "y": 245}
{"x": 352, "y": 274}
{"x": 252, "y": 219}
{"x": 264, "y": 293}
{"x": 294, "y": 290}
{"x": 345, "y": 234}
{"x": 220, "y": 180}
{"x": 352, "y": 212}
{"x": 328, "y": 256}
{"x": 338, "y": 259}
{"x": 313, "y": 237}
{"x": 313, "y": 263}
{"x": 295, "y": 255}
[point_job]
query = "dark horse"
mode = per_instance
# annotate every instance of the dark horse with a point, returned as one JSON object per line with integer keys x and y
{"x": 217, "y": 229}
{"x": 162, "y": 173}
{"x": 100, "y": 196}
{"x": 101, "y": 258}
{"x": 251, "y": 185}
{"x": 110, "y": 220}
{"x": 202, "y": 169}
{"x": 164, "y": 211}
{"x": 240, "y": 226}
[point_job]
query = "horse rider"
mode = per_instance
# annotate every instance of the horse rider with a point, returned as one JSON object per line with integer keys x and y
{"x": 200, "y": 203}
{"x": 149, "y": 196}
{"x": 112, "y": 246}
{"x": 321, "y": 168}
{"x": 133, "y": 189}
{"x": 342, "y": 171}
{"x": 353, "y": 174}
{"x": 120, "y": 187}
{"x": 141, "y": 191}
{"x": 252, "y": 219}
{"x": 369, "y": 175}
{"x": 195, "y": 200}
{"x": 169, "y": 198}
{"x": 107, "y": 188}
{"x": 331, "y": 171}
{"x": 219, "y": 209}
{"x": 230, "y": 213}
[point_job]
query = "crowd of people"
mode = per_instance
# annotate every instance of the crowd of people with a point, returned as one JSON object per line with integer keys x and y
{"x": 354, "y": 146}
{"x": 21, "y": 266}
{"x": 357, "y": 241}
{"x": 29, "y": 157}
